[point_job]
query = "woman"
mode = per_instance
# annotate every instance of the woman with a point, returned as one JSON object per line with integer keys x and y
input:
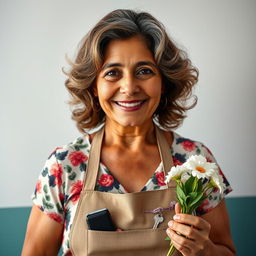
{"x": 128, "y": 74}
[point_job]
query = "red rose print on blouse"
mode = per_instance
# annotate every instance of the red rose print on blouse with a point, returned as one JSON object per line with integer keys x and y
{"x": 75, "y": 190}
{"x": 61, "y": 197}
{"x": 208, "y": 159}
{"x": 176, "y": 161}
{"x": 160, "y": 178}
{"x": 188, "y": 145}
{"x": 106, "y": 180}
{"x": 38, "y": 186}
{"x": 77, "y": 157}
{"x": 55, "y": 217}
{"x": 56, "y": 170}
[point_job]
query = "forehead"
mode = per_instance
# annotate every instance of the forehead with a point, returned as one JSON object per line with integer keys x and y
{"x": 132, "y": 49}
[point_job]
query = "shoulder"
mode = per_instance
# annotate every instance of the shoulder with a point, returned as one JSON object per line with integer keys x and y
{"x": 68, "y": 163}
{"x": 183, "y": 147}
{"x": 77, "y": 149}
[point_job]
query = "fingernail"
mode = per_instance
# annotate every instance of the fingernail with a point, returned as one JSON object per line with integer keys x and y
{"x": 170, "y": 223}
{"x": 176, "y": 217}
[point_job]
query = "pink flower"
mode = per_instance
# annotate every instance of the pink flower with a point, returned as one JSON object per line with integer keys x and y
{"x": 77, "y": 157}
{"x": 56, "y": 170}
{"x": 75, "y": 190}
{"x": 38, "y": 186}
{"x": 188, "y": 145}
{"x": 106, "y": 180}
{"x": 55, "y": 217}
{"x": 160, "y": 178}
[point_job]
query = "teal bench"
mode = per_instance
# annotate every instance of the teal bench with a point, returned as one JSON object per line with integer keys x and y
{"x": 241, "y": 210}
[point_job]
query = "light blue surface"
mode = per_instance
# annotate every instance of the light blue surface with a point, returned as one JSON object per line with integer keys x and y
{"x": 242, "y": 211}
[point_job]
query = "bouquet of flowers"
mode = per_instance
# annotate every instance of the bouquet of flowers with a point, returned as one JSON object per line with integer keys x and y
{"x": 195, "y": 181}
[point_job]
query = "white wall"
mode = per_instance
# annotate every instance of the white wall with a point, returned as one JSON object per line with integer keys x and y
{"x": 220, "y": 37}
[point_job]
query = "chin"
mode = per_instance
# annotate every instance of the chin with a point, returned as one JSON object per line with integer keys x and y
{"x": 131, "y": 123}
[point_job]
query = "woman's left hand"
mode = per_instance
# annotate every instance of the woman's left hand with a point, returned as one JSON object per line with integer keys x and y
{"x": 189, "y": 234}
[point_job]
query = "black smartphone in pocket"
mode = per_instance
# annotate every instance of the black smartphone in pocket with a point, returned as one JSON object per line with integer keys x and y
{"x": 100, "y": 220}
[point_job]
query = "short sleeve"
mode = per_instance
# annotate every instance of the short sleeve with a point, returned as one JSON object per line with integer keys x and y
{"x": 215, "y": 197}
{"x": 48, "y": 194}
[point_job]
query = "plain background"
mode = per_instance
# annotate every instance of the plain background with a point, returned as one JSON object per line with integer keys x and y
{"x": 219, "y": 36}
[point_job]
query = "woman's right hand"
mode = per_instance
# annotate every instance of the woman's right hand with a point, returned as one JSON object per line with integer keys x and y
{"x": 43, "y": 236}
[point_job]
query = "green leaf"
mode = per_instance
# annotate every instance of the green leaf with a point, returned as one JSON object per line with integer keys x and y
{"x": 167, "y": 238}
{"x": 83, "y": 146}
{"x": 195, "y": 184}
{"x": 189, "y": 184}
{"x": 79, "y": 141}
{"x": 181, "y": 196}
{"x": 180, "y": 193}
{"x": 47, "y": 205}
{"x": 45, "y": 189}
{"x": 47, "y": 197}
{"x": 196, "y": 199}
{"x": 72, "y": 176}
{"x": 198, "y": 203}
{"x": 59, "y": 208}
{"x": 77, "y": 148}
{"x": 68, "y": 168}
{"x": 191, "y": 197}
{"x": 200, "y": 185}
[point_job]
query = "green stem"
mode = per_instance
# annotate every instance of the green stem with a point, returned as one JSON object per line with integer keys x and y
{"x": 171, "y": 250}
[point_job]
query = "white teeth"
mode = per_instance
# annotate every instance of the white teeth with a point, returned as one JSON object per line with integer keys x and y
{"x": 129, "y": 105}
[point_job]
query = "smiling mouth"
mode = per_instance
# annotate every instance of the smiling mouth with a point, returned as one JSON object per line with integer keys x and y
{"x": 130, "y": 105}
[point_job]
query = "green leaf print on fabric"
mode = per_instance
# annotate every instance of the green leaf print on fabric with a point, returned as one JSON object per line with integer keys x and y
{"x": 68, "y": 168}
{"x": 45, "y": 189}
{"x": 47, "y": 197}
{"x": 59, "y": 208}
{"x": 72, "y": 176}
{"x": 47, "y": 205}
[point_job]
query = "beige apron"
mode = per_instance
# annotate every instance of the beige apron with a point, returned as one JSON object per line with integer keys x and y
{"x": 129, "y": 212}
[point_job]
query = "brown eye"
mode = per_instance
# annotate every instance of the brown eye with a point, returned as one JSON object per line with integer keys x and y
{"x": 112, "y": 74}
{"x": 144, "y": 71}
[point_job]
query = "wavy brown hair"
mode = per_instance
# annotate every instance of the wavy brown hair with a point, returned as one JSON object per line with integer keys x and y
{"x": 178, "y": 74}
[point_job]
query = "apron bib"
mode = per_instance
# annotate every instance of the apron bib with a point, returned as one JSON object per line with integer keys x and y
{"x": 131, "y": 212}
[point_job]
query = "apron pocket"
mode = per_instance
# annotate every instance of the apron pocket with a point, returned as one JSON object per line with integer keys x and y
{"x": 127, "y": 243}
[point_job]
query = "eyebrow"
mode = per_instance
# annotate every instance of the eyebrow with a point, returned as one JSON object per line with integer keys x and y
{"x": 138, "y": 64}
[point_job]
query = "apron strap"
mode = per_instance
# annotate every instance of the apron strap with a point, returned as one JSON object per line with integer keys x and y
{"x": 94, "y": 158}
{"x": 93, "y": 161}
{"x": 165, "y": 153}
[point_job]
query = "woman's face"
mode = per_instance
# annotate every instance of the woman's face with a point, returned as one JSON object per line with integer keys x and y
{"x": 129, "y": 83}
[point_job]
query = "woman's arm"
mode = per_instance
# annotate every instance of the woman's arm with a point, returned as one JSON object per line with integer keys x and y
{"x": 43, "y": 236}
{"x": 208, "y": 235}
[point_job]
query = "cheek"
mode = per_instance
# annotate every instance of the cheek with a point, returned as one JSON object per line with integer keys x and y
{"x": 105, "y": 92}
{"x": 155, "y": 90}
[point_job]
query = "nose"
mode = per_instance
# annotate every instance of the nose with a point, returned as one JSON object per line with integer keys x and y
{"x": 129, "y": 85}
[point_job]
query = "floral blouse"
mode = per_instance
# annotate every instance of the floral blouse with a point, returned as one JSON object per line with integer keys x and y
{"x": 61, "y": 180}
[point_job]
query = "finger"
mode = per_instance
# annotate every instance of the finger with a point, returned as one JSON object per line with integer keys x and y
{"x": 181, "y": 244}
{"x": 177, "y": 208}
{"x": 184, "y": 244}
{"x": 184, "y": 230}
{"x": 183, "y": 250}
{"x": 194, "y": 221}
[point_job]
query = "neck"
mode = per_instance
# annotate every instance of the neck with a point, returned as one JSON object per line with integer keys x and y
{"x": 132, "y": 137}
